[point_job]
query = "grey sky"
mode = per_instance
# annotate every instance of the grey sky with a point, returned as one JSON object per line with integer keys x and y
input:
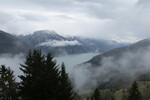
{"x": 121, "y": 20}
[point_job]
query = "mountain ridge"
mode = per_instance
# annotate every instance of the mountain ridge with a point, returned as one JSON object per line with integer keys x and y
{"x": 11, "y": 44}
{"x": 71, "y": 43}
{"x": 143, "y": 44}
{"x": 115, "y": 68}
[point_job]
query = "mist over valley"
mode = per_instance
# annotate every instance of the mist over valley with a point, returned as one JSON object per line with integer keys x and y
{"x": 74, "y": 50}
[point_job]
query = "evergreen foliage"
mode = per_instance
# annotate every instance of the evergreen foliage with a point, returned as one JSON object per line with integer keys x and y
{"x": 65, "y": 85}
{"x": 30, "y": 85}
{"x": 42, "y": 79}
{"x": 134, "y": 93}
{"x": 51, "y": 79}
{"x": 96, "y": 95}
{"x": 8, "y": 85}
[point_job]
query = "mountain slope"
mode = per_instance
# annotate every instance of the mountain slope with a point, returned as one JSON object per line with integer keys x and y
{"x": 141, "y": 46}
{"x": 116, "y": 68}
{"x": 50, "y": 41}
{"x": 10, "y": 44}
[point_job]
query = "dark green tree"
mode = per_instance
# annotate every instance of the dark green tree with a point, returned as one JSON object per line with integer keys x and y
{"x": 31, "y": 85}
{"x": 8, "y": 84}
{"x": 96, "y": 95}
{"x": 41, "y": 78}
{"x": 3, "y": 81}
{"x": 66, "y": 92}
{"x": 12, "y": 86}
{"x": 134, "y": 93}
{"x": 52, "y": 78}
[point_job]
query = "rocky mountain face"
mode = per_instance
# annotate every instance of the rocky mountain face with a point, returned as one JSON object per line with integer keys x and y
{"x": 50, "y": 41}
{"x": 12, "y": 45}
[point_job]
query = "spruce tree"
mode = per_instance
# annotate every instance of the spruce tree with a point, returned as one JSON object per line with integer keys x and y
{"x": 32, "y": 78}
{"x": 41, "y": 78}
{"x": 96, "y": 95}
{"x": 12, "y": 86}
{"x": 134, "y": 93}
{"x": 52, "y": 78}
{"x": 25, "y": 88}
{"x": 3, "y": 81}
{"x": 66, "y": 88}
{"x": 8, "y": 84}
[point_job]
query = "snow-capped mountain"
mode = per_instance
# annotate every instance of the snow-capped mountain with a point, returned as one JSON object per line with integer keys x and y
{"x": 50, "y": 41}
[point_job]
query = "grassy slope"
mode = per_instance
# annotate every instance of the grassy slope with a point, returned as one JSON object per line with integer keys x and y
{"x": 144, "y": 88}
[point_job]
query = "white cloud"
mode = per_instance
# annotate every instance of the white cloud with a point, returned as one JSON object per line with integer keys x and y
{"x": 126, "y": 20}
{"x": 56, "y": 43}
{"x": 12, "y": 61}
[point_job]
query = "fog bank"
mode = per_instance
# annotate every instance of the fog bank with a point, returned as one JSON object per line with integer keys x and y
{"x": 12, "y": 61}
{"x": 128, "y": 67}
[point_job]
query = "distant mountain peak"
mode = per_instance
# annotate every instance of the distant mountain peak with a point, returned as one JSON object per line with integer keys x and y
{"x": 45, "y": 32}
{"x": 50, "y": 41}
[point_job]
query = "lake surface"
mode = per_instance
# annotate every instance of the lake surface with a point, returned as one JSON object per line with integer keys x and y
{"x": 72, "y": 60}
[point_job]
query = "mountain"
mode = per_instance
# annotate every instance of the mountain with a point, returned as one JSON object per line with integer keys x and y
{"x": 117, "y": 53}
{"x": 11, "y": 44}
{"x": 116, "y": 68}
{"x": 50, "y": 41}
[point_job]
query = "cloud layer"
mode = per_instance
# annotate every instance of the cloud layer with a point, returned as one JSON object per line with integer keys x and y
{"x": 56, "y": 43}
{"x": 128, "y": 67}
{"x": 12, "y": 61}
{"x": 122, "y": 20}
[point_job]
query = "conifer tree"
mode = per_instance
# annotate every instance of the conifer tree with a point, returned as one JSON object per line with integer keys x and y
{"x": 25, "y": 88}
{"x": 8, "y": 85}
{"x": 134, "y": 93}
{"x": 66, "y": 88}
{"x": 31, "y": 82}
{"x": 12, "y": 86}
{"x": 52, "y": 78}
{"x": 3, "y": 80}
{"x": 96, "y": 95}
{"x": 41, "y": 78}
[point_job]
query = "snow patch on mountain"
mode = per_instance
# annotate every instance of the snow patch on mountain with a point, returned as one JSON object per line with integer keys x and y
{"x": 62, "y": 43}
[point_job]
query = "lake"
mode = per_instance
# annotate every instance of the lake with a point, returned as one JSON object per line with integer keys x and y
{"x": 74, "y": 59}
{"x": 70, "y": 60}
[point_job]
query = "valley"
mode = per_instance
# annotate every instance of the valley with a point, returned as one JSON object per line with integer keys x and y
{"x": 74, "y": 49}
{"x": 112, "y": 71}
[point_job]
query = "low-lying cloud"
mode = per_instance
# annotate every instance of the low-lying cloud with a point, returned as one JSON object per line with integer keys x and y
{"x": 127, "y": 68}
{"x": 57, "y": 43}
{"x": 12, "y": 61}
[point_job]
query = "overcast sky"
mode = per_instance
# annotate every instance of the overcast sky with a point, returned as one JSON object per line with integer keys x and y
{"x": 121, "y": 20}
